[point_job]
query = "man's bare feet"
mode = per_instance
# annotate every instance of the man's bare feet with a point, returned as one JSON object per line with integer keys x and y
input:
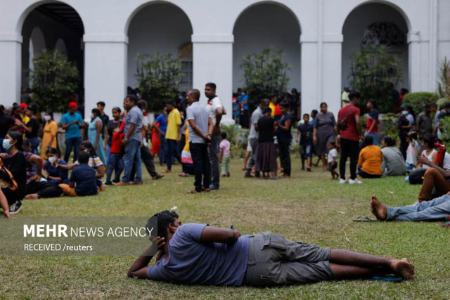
{"x": 403, "y": 268}
{"x": 378, "y": 209}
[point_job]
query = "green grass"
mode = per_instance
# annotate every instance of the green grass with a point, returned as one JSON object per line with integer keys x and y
{"x": 307, "y": 207}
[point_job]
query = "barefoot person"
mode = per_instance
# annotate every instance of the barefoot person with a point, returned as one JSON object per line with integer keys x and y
{"x": 437, "y": 209}
{"x": 201, "y": 254}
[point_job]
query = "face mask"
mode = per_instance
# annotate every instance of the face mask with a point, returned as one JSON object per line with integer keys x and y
{"x": 47, "y": 118}
{"x": 52, "y": 159}
{"x": 6, "y": 144}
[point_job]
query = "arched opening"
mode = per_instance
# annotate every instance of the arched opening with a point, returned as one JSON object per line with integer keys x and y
{"x": 267, "y": 26}
{"x": 376, "y": 23}
{"x": 160, "y": 28}
{"x": 52, "y": 26}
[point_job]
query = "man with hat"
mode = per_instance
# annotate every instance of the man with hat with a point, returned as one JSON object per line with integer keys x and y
{"x": 72, "y": 122}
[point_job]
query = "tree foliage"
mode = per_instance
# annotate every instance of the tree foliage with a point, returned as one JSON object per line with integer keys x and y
{"x": 375, "y": 73}
{"x": 444, "y": 79}
{"x": 54, "y": 79}
{"x": 159, "y": 77}
{"x": 265, "y": 74}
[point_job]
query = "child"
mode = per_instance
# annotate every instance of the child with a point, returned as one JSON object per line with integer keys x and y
{"x": 305, "y": 140}
{"x": 225, "y": 155}
{"x": 332, "y": 160}
{"x": 412, "y": 151}
{"x": 115, "y": 161}
{"x": 83, "y": 181}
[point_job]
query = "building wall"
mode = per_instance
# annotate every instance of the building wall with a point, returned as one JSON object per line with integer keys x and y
{"x": 106, "y": 43}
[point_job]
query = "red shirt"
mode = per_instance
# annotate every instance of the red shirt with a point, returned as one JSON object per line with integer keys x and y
{"x": 349, "y": 113}
{"x": 117, "y": 140}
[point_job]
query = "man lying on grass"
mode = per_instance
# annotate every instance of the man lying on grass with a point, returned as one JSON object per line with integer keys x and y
{"x": 201, "y": 254}
{"x": 437, "y": 209}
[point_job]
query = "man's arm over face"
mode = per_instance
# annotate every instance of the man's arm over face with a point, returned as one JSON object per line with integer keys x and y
{"x": 139, "y": 269}
{"x": 219, "y": 235}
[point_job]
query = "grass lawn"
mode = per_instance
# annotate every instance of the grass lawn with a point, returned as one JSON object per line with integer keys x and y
{"x": 308, "y": 207}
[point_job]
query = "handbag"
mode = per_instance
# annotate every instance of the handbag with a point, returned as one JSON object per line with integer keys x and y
{"x": 186, "y": 157}
{"x": 416, "y": 176}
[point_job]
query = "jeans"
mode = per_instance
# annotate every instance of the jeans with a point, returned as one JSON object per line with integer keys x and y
{"x": 72, "y": 143}
{"x": 202, "y": 168}
{"x": 252, "y": 161}
{"x": 285, "y": 156}
{"x": 434, "y": 210}
{"x": 162, "y": 150}
{"x": 132, "y": 159}
{"x": 172, "y": 147}
{"x": 147, "y": 159}
{"x": 349, "y": 149}
{"x": 34, "y": 142}
{"x": 214, "y": 160}
{"x": 375, "y": 136}
{"x": 115, "y": 163}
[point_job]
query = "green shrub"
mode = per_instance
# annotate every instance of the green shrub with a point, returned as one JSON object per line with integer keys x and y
{"x": 265, "y": 74}
{"x": 419, "y": 99}
{"x": 159, "y": 77}
{"x": 445, "y": 131}
{"x": 54, "y": 79}
{"x": 389, "y": 124}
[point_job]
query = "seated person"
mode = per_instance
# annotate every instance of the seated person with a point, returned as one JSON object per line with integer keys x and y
{"x": 393, "y": 161}
{"x": 83, "y": 180}
{"x": 35, "y": 165}
{"x": 53, "y": 166}
{"x": 94, "y": 162}
{"x": 56, "y": 174}
{"x": 436, "y": 180}
{"x": 370, "y": 159}
{"x": 428, "y": 151}
{"x": 14, "y": 161}
{"x": 4, "y": 204}
{"x": 201, "y": 254}
{"x": 437, "y": 209}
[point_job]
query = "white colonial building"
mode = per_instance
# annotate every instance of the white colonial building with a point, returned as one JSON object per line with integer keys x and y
{"x": 211, "y": 37}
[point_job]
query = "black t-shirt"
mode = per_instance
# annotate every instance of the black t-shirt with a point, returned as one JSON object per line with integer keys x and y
{"x": 17, "y": 165}
{"x": 34, "y": 125}
{"x": 306, "y": 132}
{"x": 6, "y": 122}
{"x": 282, "y": 134}
{"x": 105, "y": 121}
{"x": 265, "y": 129}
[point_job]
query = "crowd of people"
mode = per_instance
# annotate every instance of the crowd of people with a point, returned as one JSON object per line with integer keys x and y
{"x": 35, "y": 164}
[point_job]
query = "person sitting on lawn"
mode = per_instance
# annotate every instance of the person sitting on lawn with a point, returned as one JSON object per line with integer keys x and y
{"x": 83, "y": 180}
{"x": 437, "y": 209}
{"x": 202, "y": 254}
{"x": 370, "y": 160}
{"x": 436, "y": 180}
{"x": 393, "y": 161}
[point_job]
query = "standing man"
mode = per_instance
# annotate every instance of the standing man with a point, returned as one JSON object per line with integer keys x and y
{"x": 72, "y": 122}
{"x": 349, "y": 124}
{"x": 216, "y": 111}
{"x": 424, "y": 122}
{"x": 253, "y": 137}
{"x": 284, "y": 137}
{"x": 132, "y": 141}
{"x": 172, "y": 134}
{"x": 200, "y": 131}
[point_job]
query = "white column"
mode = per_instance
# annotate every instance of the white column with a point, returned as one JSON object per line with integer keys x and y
{"x": 331, "y": 82}
{"x": 310, "y": 74}
{"x": 105, "y": 62}
{"x": 416, "y": 58}
{"x": 213, "y": 62}
{"x": 10, "y": 70}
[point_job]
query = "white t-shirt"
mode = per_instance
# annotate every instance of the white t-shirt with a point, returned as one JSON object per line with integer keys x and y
{"x": 446, "y": 164}
{"x": 213, "y": 105}
{"x": 429, "y": 156}
{"x": 332, "y": 155}
{"x": 412, "y": 152}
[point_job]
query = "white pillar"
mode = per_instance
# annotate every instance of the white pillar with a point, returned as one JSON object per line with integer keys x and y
{"x": 10, "y": 70}
{"x": 416, "y": 57}
{"x": 331, "y": 82}
{"x": 104, "y": 71}
{"x": 213, "y": 62}
{"x": 310, "y": 74}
